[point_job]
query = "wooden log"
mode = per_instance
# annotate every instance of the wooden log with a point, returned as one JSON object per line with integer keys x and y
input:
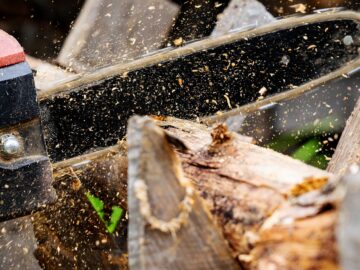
{"x": 306, "y": 243}
{"x": 108, "y": 32}
{"x": 269, "y": 206}
{"x": 348, "y": 149}
{"x": 184, "y": 238}
{"x": 271, "y": 209}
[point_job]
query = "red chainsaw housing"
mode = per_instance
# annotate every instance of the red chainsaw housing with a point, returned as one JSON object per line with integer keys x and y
{"x": 10, "y": 50}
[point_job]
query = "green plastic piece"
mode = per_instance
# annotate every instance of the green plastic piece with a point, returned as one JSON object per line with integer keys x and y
{"x": 115, "y": 216}
{"x": 97, "y": 204}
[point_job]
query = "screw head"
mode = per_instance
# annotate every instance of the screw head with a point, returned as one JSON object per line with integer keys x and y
{"x": 10, "y": 145}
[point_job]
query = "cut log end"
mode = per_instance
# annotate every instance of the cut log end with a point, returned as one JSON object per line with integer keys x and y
{"x": 195, "y": 243}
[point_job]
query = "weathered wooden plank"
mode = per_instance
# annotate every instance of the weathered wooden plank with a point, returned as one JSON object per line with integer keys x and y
{"x": 348, "y": 149}
{"x": 108, "y": 32}
{"x": 182, "y": 234}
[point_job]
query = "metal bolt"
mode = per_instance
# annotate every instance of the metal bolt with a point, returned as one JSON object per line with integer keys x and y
{"x": 10, "y": 145}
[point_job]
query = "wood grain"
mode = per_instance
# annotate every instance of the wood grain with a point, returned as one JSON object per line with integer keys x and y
{"x": 198, "y": 244}
{"x": 348, "y": 149}
{"x": 249, "y": 191}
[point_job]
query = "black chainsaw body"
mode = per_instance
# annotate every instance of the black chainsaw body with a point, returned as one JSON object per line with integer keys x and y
{"x": 25, "y": 178}
{"x": 18, "y": 95}
{"x": 199, "y": 84}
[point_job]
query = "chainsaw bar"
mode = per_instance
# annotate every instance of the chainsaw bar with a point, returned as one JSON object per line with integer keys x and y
{"x": 199, "y": 79}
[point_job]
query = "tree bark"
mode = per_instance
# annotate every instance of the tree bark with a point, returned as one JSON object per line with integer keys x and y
{"x": 189, "y": 241}
{"x": 270, "y": 208}
{"x": 272, "y": 212}
{"x": 348, "y": 149}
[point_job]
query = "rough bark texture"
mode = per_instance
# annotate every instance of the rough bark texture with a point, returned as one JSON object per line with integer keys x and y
{"x": 348, "y": 149}
{"x": 198, "y": 243}
{"x": 108, "y": 32}
{"x": 269, "y": 206}
{"x": 274, "y": 212}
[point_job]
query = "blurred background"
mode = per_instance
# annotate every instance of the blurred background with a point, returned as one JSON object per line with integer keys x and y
{"x": 307, "y": 128}
{"x": 115, "y": 31}
{"x": 41, "y": 26}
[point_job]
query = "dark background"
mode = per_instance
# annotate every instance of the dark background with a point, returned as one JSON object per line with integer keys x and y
{"x": 42, "y": 25}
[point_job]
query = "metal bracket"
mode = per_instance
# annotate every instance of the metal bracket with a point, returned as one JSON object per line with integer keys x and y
{"x": 25, "y": 169}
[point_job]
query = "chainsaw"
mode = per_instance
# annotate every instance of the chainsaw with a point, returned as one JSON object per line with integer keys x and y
{"x": 209, "y": 80}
